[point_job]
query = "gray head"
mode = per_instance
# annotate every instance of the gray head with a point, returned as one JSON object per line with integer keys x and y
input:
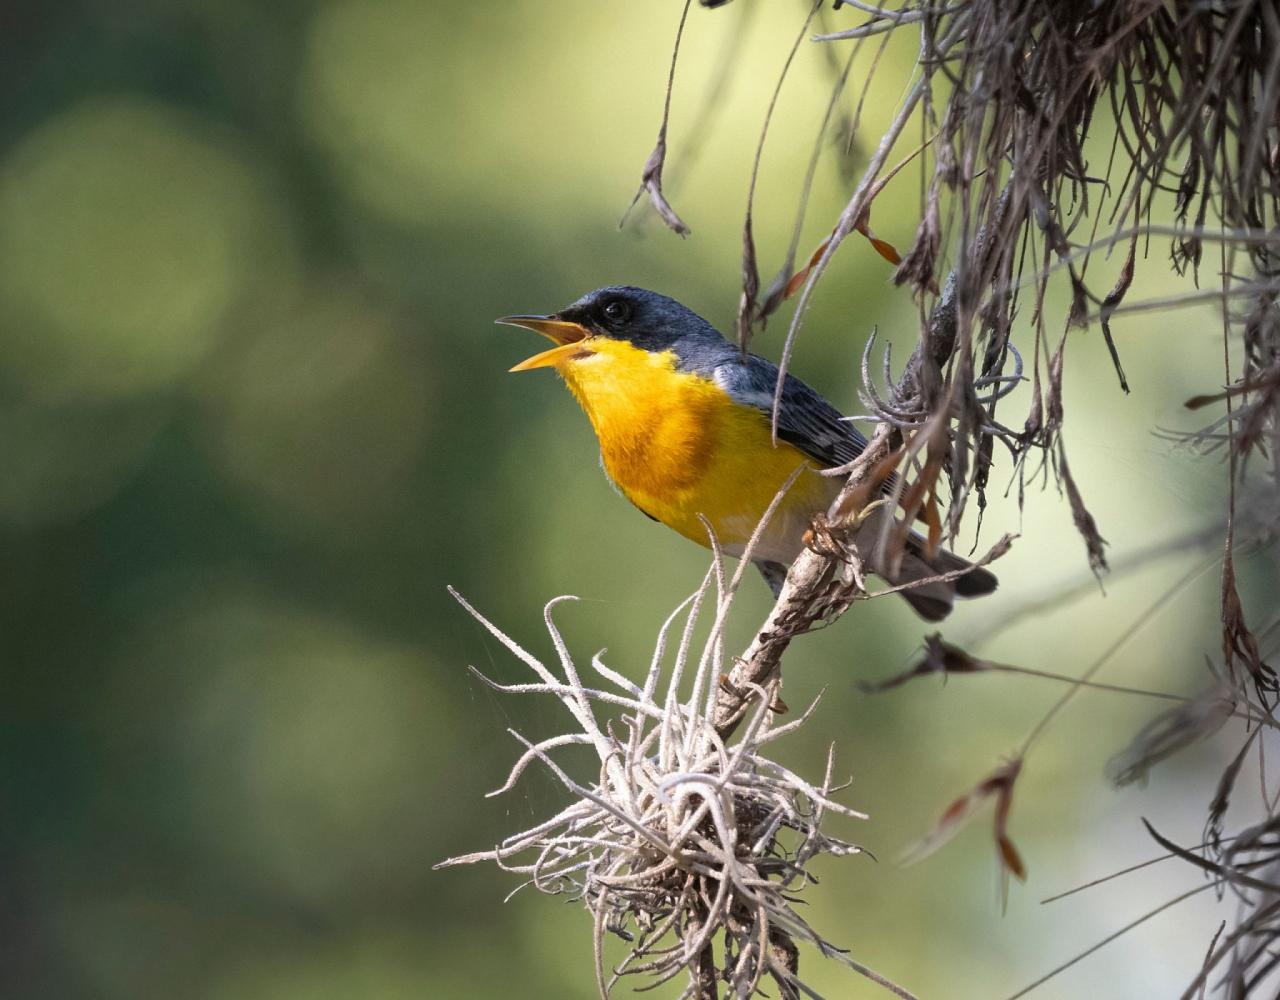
{"x": 646, "y": 319}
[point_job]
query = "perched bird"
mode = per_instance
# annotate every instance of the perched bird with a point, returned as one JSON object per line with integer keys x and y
{"x": 684, "y": 423}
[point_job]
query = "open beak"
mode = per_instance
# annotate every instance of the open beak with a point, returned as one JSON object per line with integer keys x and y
{"x": 565, "y": 335}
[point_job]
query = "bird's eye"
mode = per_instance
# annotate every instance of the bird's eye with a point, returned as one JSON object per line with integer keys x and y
{"x": 617, "y": 311}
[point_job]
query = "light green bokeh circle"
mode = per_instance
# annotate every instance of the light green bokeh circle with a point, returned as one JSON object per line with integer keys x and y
{"x": 128, "y": 230}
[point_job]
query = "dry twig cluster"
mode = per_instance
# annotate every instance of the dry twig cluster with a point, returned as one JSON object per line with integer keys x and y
{"x": 685, "y": 835}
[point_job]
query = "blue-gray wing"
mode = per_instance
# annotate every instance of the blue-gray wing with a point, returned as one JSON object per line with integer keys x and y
{"x": 805, "y": 419}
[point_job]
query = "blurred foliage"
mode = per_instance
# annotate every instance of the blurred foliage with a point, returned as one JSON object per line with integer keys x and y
{"x": 254, "y": 416}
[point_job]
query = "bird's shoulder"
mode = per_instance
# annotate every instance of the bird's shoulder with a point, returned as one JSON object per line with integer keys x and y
{"x": 805, "y": 419}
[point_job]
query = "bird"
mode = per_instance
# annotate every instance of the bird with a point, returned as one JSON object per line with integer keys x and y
{"x": 684, "y": 422}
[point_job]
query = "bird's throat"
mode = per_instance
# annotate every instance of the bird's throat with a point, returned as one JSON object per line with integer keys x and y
{"x": 657, "y": 426}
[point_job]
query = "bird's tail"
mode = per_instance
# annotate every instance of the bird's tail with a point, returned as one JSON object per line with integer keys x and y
{"x": 931, "y": 601}
{"x": 775, "y": 575}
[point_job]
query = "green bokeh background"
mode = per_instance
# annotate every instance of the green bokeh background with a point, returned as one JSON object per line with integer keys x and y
{"x": 254, "y": 417}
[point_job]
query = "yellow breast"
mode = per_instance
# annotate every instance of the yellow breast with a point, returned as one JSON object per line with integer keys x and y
{"x": 677, "y": 446}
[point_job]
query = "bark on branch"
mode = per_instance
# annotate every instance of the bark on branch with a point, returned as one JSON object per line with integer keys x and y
{"x": 820, "y": 586}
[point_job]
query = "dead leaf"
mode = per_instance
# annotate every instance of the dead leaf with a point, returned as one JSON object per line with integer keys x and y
{"x": 1109, "y": 304}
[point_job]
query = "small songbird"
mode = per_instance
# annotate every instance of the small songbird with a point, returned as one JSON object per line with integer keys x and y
{"x": 684, "y": 423}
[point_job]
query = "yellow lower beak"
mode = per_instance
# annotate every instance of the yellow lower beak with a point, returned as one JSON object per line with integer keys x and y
{"x": 567, "y": 336}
